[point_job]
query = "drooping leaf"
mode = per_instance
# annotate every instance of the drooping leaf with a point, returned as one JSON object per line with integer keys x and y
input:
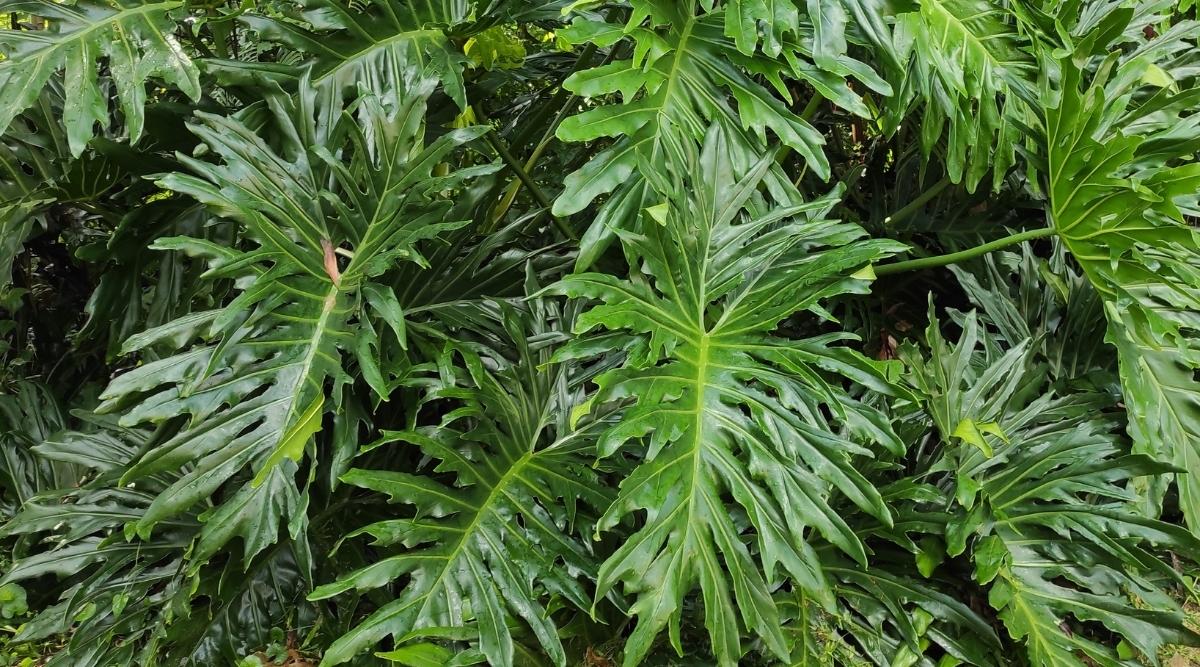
{"x": 682, "y": 74}
{"x": 136, "y": 37}
{"x": 969, "y": 65}
{"x": 352, "y": 45}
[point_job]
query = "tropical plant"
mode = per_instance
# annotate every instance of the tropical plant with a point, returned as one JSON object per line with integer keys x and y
{"x": 762, "y": 332}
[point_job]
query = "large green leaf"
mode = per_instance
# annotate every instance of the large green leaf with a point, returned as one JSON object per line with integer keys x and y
{"x": 1042, "y": 504}
{"x": 682, "y": 73}
{"x": 368, "y": 44}
{"x": 495, "y": 542}
{"x": 722, "y": 408}
{"x": 136, "y": 37}
{"x": 968, "y": 64}
{"x": 271, "y": 363}
{"x": 705, "y": 450}
{"x": 1117, "y": 198}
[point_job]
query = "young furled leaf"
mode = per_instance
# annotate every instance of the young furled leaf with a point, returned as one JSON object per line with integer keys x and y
{"x": 721, "y": 407}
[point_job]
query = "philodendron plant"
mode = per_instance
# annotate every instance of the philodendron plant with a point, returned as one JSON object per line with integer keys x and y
{"x": 644, "y": 332}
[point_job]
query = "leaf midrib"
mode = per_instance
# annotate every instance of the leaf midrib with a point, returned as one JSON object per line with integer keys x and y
{"x": 485, "y": 508}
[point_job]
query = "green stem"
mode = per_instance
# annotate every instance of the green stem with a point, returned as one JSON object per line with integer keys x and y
{"x": 220, "y": 32}
{"x": 814, "y": 103}
{"x": 962, "y": 255}
{"x": 510, "y": 193}
{"x": 556, "y": 100}
{"x": 515, "y": 165}
{"x": 916, "y": 204}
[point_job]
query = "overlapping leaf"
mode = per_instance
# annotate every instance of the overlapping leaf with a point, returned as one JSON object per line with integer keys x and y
{"x": 352, "y": 44}
{"x": 882, "y": 617}
{"x": 1053, "y": 305}
{"x": 968, "y": 64}
{"x": 755, "y": 479}
{"x": 681, "y": 73}
{"x": 116, "y": 586}
{"x": 1043, "y": 505}
{"x": 33, "y": 155}
{"x": 121, "y": 590}
{"x": 29, "y": 413}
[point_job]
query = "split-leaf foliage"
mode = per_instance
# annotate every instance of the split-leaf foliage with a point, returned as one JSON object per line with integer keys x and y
{"x": 835, "y": 332}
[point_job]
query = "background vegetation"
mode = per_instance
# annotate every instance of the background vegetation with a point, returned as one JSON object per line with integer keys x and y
{"x": 455, "y": 332}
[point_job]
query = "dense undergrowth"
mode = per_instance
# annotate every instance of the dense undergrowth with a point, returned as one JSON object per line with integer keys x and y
{"x": 837, "y": 332}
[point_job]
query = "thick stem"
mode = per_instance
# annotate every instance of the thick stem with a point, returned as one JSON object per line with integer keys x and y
{"x": 556, "y": 100}
{"x": 962, "y": 255}
{"x": 916, "y": 204}
{"x": 510, "y": 193}
{"x": 515, "y": 165}
{"x": 814, "y": 103}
